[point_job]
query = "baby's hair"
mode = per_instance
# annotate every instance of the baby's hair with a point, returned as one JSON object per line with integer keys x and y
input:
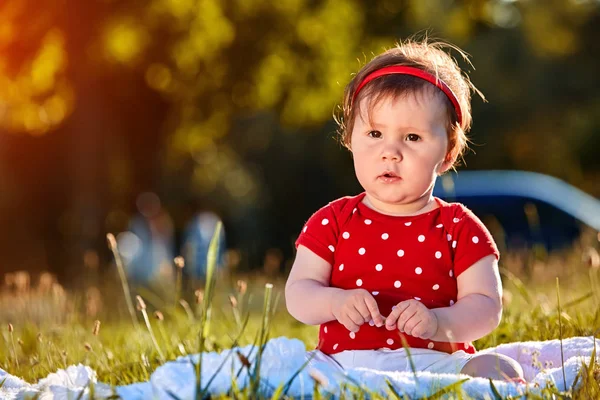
{"x": 429, "y": 56}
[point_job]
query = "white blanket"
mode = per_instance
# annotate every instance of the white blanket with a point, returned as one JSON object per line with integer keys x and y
{"x": 283, "y": 357}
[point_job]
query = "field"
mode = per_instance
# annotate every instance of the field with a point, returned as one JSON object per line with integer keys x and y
{"x": 46, "y": 327}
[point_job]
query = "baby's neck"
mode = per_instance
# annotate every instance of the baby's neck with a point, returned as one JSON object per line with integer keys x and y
{"x": 402, "y": 210}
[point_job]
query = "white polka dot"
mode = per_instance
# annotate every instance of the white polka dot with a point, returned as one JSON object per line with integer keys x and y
{"x": 352, "y": 335}
{"x": 397, "y": 284}
{"x": 325, "y": 329}
{"x": 454, "y": 244}
{"x": 390, "y": 341}
{"x": 368, "y": 221}
{"x": 335, "y": 346}
{"x": 385, "y": 236}
{"x": 375, "y": 293}
{"x": 418, "y": 270}
{"x": 407, "y": 223}
{"x": 359, "y": 282}
{"x": 439, "y": 226}
{"x": 361, "y": 251}
{"x": 449, "y": 237}
{"x": 436, "y": 287}
{"x": 438, "y": 254}
{"x": 341, "y": 267}
{"x": 305, "y": 228}
{"x": 430, "y": 345}
{"x": 451, "y": 302}
{"x": 379, "y": 267}
{"x": 325, "y": 221}
{"x": 455, "y": 220}
{"x": 353, "y": 211}
{"x": 421, "y": 238}
{"x": 417, "y": 298}
{"x": 331, "y": 248}
{"x": 345, "y": 235}
{"x": 400, "y": 253}
{"x": 466, "y": 346}
{"x": 475, "y": 239}
{"x": 451, "y": 274}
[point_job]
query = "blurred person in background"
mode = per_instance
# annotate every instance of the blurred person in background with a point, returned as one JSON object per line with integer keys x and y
{"x": 148, "y": 248}
{"x": 196, "y": 241}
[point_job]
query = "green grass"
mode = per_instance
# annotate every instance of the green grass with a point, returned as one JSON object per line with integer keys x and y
{"x": 53, "y": 329}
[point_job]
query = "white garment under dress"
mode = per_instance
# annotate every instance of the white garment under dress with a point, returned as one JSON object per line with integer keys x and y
{"x": 395, "y": 360}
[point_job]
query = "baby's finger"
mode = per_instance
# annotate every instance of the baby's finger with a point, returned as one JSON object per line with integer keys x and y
{"x": 419, "y": 330}
{"x": 356, "y": 317}
{"x": 411, "y": 324}
{"x": 392, "y": 318}
{"x": 363, "y": 309}
{"x": 407, "y": 314}
{"x": 349, "y": 324}
{"x": 374, "y": 313}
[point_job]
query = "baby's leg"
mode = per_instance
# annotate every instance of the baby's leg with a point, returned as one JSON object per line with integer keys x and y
{"x": 494, "y": 366}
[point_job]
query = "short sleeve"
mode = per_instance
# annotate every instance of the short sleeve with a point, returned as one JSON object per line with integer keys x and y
{"x": 471, "y": 241}
{"x": 320, "y": 233}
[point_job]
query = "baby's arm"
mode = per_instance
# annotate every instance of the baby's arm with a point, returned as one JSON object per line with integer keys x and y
{"x": 478, "y": 308}
{"x": 307, "y": 293}
{"x": 311, "y": 300}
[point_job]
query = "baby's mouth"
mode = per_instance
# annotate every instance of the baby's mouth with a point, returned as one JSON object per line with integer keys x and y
{"x": 389, "y": 177}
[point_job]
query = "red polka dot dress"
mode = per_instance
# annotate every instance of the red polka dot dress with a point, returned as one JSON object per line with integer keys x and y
{"x": 395, "y": 258}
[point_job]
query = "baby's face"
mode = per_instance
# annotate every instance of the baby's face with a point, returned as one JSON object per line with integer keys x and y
{"x": 400, "y": 149}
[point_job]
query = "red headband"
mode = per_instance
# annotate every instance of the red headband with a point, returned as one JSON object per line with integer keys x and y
{"x": 419, "y": 73}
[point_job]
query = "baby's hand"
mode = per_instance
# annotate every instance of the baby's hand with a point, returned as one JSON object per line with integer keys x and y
{"x": 354, "y": 307}
{"x": 413, "y": 318}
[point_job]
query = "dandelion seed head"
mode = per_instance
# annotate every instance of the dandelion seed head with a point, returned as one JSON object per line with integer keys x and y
{"x": 141, "y": 305}
{"x": 179, "y": 262}
{"x": 96, "y": 328}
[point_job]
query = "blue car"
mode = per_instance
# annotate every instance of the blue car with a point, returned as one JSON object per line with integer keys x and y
{"x": 523, "y": 209}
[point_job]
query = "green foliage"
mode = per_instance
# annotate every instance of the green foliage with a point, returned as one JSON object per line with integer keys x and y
{"x": 122, "y": 354}
{"x": 216, "y": 62}
{"x": 228, "y": 101}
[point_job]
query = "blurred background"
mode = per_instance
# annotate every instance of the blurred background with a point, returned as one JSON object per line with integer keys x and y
{"x": 154, "y": 119}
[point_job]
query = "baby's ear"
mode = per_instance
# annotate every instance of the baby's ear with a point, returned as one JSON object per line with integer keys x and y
{"x": 348, "y": 144}
{"x": 447, "y": 164}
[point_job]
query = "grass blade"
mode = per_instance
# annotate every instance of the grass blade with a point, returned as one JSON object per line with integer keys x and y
{"x": 579, "y": 300}
{"x": 112, "y": 242}
{"x": 560, "y": 334}
{"x": 211, "y": 266}
{"x": 494, "y": 390}
{"x": 264, "y": 337}
{"x": 397, "y": 395}
{"x": 171, "y": 394}
{"x": 406, "y": 348}
{"x": 593, "y": 359}
{"x": 142, "y": 307}
{"x": 448, "y": 389}
{"x": 518, "y": 285}
{"x": 288, "y": 384}
{"x": 278, "y": 393}
{"x": 234, "y": 344}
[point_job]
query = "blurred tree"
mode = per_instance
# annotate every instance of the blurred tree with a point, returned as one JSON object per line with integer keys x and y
{"x": 227, "y": 105}
{"x": 35, "y": 94}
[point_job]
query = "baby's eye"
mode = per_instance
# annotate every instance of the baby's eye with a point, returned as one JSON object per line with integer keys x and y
{"x": 375, "y": 134}
{"x": 413, "y": 137}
